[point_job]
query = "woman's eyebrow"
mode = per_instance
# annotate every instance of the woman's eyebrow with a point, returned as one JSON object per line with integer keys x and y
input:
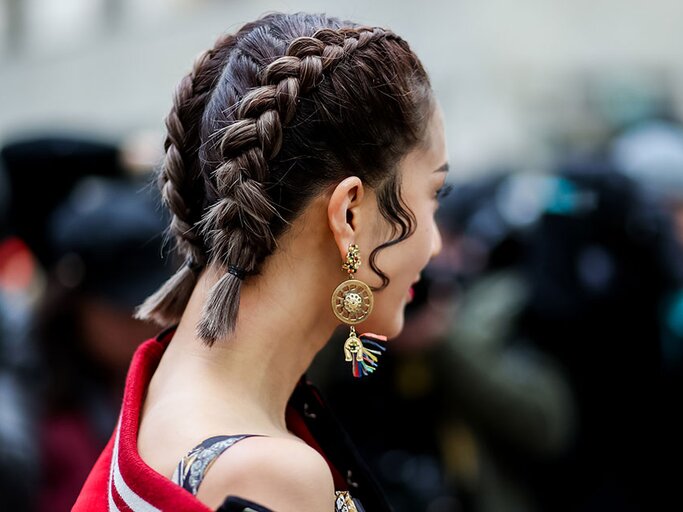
{"x": 443, "y": 168}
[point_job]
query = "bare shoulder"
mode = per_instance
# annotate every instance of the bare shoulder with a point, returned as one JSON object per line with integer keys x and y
{"x": 283, "y": 474}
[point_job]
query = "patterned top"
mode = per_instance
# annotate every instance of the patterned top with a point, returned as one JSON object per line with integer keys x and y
{"x": 345, "y": 503}
{"x": 193, "y": 467}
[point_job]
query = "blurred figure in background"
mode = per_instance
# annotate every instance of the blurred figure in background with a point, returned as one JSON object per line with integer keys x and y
{"x": 555, "y": 357}
{"x": 84, "y": 325}
{"x": 19, "y": 461}
{"x": 650, "y": 152}
{"x": 508, "y": 401}
{"x": 83, "y": 334}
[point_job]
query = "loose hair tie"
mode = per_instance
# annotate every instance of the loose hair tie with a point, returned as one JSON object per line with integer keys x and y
{"x": 237, "y": 272}
{"x": 195, "y": 267}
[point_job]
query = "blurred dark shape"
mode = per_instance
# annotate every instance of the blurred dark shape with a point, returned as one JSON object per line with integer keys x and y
{"x": 651, "y": 153}
{"x": 19, "y": 452}
{"x": 599, "y": 281}
{"x": 4, "y": 204}
{"x": 41, "y": 171}
{"x": 588, "y": 263}
{"x": 501, "y": 392}
{"x": 98, "y": 235}
{"x": 483, "y": 216}
{"x": 19, "y": 461}
{"x": 104, "y": 241}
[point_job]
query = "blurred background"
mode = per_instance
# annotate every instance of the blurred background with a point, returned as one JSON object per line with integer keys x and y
{"x": 541, "y": 366}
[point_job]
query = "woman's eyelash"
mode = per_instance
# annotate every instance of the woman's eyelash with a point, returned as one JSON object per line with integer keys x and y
{"x": 444, "y": 191}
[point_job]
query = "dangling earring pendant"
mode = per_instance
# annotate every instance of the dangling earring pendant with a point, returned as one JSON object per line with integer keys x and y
{"x": 353, "y": 347}
{"x": 363, "y": 352}
{"x": 352, "y": 303}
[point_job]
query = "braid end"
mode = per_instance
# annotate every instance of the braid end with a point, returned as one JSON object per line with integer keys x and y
{"x": 219, "y": 316}
{"x": 166, "y": 305}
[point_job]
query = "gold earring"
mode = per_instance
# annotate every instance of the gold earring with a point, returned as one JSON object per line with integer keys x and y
{"x": 352, "y": 303}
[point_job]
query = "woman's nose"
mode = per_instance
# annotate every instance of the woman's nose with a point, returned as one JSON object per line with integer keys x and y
{"x": 437, "y": 242}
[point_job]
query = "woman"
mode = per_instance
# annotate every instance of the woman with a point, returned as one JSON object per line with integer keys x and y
{"x": 298, "y": 144}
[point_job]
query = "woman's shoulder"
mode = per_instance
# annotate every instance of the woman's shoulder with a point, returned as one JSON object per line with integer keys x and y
{"x": 282, "y": 473}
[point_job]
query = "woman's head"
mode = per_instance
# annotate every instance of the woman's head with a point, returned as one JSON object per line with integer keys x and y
{"x": 271, "y": 118}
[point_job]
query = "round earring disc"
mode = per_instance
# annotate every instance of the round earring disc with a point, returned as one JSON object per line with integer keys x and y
{"x": 352, "y": 301}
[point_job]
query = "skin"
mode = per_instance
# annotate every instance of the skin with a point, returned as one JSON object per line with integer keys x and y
{"x": 242, "y": 384}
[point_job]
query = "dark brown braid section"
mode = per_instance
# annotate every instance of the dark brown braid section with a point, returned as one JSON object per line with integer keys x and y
{"x": 181, "y": 184}
{"x": 237, "y": 227}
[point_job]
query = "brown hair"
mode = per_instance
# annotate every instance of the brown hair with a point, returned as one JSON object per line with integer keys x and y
{"x": 268, "y": 119}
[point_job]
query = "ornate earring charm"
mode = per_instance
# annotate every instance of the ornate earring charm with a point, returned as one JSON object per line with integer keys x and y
{"x": 352, "y": 300}
{"x": 352, "y": 303}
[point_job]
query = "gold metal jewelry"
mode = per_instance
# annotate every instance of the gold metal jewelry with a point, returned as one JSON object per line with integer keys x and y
{"x": 352, "y": 300}
{"x": 353, "y": 347}
{"x": 352, "y": 263}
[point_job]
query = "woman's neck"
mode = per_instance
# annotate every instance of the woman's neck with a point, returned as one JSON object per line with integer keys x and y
{"x": 281, "y": 325}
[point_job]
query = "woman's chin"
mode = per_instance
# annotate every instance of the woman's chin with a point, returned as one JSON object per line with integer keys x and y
{"x": 393, "y": 333}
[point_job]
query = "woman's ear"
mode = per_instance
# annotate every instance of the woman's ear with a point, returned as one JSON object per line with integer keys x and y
{"x": 344, "y": 212}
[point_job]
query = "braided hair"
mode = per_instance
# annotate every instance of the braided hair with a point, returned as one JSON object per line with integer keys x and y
{"x": 267, "y": 120}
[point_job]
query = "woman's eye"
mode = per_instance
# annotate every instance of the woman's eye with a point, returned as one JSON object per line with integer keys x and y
{"x": 443, "y": 192}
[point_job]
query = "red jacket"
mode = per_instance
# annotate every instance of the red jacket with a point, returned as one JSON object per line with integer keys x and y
{"x": 122, "y": 481}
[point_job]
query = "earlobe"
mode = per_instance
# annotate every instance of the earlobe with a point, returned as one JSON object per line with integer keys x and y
{"x": 343, "y": 212}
